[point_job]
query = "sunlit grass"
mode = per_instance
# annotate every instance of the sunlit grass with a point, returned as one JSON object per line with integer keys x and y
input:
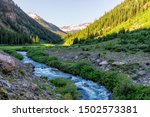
{"x": 21, "y": 46}
{"x": 47, "y": 45}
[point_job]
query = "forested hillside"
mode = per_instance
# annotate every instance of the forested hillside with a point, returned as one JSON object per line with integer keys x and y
{"x": 129, "y": 15}
{"x": 16, "y": 24}
{"x": 8, "y": 37}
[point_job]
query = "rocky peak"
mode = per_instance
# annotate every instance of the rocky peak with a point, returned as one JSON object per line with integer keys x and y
{"x": 34, "y": 15}
{"x": 46, "y": 24}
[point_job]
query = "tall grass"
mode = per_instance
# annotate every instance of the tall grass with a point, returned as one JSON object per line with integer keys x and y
{"x": 66, "y": 88}
{"x": 13, "y": 53}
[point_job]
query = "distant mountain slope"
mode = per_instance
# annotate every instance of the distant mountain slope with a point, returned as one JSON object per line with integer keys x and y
{"x": 46, "y": 24}
{"x": 108, "y": 24}
{"x": 74, "y": 28}
{"x": 141, "y": 20}
{"x": 13, "y": 19}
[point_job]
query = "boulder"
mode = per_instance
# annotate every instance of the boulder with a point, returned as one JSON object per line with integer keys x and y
{"x": 7, "y": 68}
{"x": 142, "y": 72}
{"x": 7, "y": 59}
{"x": 34, "y": 87}
{"x": 76, "y": 57}
{"x": 98, "y": 60}
{"x": 5, "y": 83}
{"x": 103, "y": 63}
{"x": 7, "y": 63}
{"x": 118, "y": 63}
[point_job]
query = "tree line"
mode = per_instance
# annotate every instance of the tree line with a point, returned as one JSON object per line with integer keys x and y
{"x": 12, "y": 38}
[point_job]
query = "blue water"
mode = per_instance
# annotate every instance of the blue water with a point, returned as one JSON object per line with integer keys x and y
{"x": 88, "y": 89}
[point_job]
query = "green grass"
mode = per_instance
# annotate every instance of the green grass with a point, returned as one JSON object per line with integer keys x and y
{"x": 66, "y": 88}
{"x": 123, "y": 41}
{"x": 24, "y": 47}
{"x": 44, "y": 77}
{"x": 13, "y": 53}
{"x": 120, "y": 85}
{"x": 137, "y": 40}
{"x": 44, "y": 86}
{"x": 13, "y": 48}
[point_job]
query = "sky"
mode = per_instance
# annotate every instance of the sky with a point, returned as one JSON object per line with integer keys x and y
{"x": 68, "y": 12}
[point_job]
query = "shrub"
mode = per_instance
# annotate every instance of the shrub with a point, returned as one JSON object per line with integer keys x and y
{"x": 124, "y": 90}
{"x": 59, "y": 82}
{"x": 44, "y": 77}
{"x": 54, "y": 63}
{"x": 67, "y": 96}
{"x": 37, "y": 55}
{"x": 52, "y": 58}
{"x": 66, "y": 88}
{"x": 141, "y": 93}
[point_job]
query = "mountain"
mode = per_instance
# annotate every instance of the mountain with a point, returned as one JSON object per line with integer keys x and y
{"x": 126, "y": 16}
{"x": 74, "y": 28}
{"x": 46, "y": 24}
{"x": 15, "y": 21}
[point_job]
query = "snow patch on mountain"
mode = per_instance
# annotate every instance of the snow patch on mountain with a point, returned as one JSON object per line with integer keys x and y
{"x": 33, "y": 15}
{"x": 74, "y": 28}
{"x": 46, "y": 24}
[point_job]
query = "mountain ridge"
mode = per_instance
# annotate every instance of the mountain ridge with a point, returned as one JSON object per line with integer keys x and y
{"x": 46, "y": 24}
{"x": 15, "y": 20}
{"x": 75, "y": 28}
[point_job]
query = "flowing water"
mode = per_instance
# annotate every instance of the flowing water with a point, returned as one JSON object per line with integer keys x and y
{"x": 88, "y": 89}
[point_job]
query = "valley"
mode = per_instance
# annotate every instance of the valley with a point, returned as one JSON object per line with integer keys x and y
{"x": 106, "y": 60}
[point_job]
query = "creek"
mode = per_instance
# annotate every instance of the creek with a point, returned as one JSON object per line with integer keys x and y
{"x": 89, "y": 90}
